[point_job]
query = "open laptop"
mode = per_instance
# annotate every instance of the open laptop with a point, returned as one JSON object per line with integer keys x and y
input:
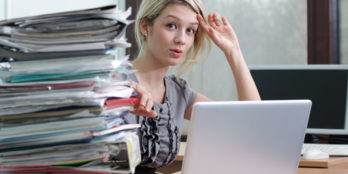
{"x": 246, "y": 137}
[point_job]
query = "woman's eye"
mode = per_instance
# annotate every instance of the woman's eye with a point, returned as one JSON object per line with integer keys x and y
{"x": 191, "y": 30}
{"x": 171, "y": 26}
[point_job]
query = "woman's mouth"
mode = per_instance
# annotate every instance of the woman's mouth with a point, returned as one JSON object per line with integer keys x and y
{"x": 176, "y": 53}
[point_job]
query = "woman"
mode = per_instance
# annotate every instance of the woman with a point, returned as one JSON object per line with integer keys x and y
{"x": 172, "y": 32}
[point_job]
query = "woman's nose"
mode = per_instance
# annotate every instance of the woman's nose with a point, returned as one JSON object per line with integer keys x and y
{"x": 180, "y": 37}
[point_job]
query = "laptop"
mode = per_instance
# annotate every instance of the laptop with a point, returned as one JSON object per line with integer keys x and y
{"x": 246, "y": 137}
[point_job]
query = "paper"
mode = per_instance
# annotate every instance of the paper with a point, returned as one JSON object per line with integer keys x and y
{"x": 64, "y": 94}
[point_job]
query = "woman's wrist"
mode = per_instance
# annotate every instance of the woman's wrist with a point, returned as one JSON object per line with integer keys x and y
{"x": 234, "y": 56}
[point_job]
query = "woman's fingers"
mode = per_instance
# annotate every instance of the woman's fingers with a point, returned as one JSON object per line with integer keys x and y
{"x": 144, "y": 113}
{"x": 144, "y": 107}
{"x": 143, "y": 99}
{"x": 214, "y": 23}
{"x": 208, "y": 29}
{"x": 202, "y": 23}
{"x": 211, "y": 21}
{"x": 149, "y": 105}
{"x": 216, "y": 20}
{"x": 142, "y": 94}
{"x": 225, "y": 21}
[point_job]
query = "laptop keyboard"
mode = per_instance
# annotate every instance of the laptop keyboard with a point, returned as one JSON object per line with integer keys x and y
{"x": 332, "y": 149}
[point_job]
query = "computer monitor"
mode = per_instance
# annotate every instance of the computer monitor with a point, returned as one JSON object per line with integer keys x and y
{"x": 325, "y": 85}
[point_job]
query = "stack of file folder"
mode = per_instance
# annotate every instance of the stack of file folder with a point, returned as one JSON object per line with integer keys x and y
{"x": 64, "y": 94}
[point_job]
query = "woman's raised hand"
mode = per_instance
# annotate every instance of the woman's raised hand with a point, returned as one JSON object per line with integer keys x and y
{"x": 145, "y": 105}
{"x": 222, "y": 33}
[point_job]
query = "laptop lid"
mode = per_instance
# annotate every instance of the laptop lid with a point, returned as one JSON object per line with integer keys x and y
{"x": 263, "y": 137}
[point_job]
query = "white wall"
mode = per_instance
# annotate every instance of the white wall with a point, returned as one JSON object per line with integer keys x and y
{"x": 2, "y": 9}
{"x": 22, "y": 8}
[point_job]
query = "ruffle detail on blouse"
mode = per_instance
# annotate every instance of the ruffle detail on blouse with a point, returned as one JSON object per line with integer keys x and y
{"x": 155, "y": 131}
{"x": 150, "y": 142}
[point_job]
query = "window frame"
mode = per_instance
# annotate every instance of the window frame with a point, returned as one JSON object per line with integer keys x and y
{"x": 323, "y": 32}
{"x": 133, "y": 50}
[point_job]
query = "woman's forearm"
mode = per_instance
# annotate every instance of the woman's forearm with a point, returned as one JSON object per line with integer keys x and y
{"x": 245, "y": 84}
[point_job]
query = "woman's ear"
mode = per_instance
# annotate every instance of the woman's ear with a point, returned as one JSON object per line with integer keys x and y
{"x": 143, "y": 27}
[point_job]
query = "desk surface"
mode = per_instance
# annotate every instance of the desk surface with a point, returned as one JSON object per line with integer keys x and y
{"x": 321, "y": 171}
{"x": 306, "y": 171}
{"x": 339, "y": 168}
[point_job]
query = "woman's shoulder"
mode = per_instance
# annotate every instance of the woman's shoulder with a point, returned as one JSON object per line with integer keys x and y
{"x": 177, "y": 81}
{"x": 179, "y": 86}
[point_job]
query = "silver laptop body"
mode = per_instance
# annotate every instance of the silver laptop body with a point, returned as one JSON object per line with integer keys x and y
{"x": 246, "y": 137}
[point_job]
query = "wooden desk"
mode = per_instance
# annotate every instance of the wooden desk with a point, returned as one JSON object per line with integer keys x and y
{"x": 321, "y": 171}
{"x": 335, "y": 168}
{"x": 338, "y": 165}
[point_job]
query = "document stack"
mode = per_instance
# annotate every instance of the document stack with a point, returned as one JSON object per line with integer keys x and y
{"x": 64, "y": 94}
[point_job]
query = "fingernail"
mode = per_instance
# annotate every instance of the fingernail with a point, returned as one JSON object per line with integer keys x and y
{"x": 141, "y": 106}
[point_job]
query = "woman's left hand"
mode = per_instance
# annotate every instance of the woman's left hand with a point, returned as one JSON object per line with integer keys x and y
{"x": 221, "y": 33}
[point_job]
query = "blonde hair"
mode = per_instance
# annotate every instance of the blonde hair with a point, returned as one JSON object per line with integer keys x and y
{"x": 150, "y": 9}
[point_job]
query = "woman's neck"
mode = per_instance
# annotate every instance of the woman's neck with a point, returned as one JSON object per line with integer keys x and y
{"x": 149, "y": 70}
{"x": 151, "y": 77}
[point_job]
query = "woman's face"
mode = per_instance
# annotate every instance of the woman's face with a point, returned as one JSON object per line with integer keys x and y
{"x": 172, "y": 34}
